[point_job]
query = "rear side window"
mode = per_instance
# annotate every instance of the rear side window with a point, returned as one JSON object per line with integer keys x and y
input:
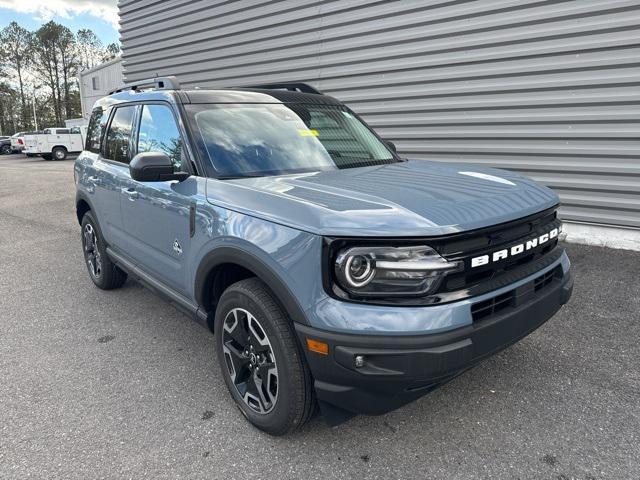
{"x": 159, "y": 133}
{"x": 96, "y": 127}
{"x": 117, "y": 141}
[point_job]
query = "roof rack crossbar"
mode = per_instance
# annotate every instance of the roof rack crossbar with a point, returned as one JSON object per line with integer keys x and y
{"x": 161, "y": 83}
{"x": 293, "y": 87}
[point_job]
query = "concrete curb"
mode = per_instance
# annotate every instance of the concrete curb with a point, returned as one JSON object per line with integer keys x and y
{"x": 602, "y": 236}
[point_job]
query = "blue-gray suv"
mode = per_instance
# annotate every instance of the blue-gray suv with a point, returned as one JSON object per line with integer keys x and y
{"x": 335, "y": 274}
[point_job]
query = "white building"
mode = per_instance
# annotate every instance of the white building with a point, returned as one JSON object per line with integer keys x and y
{"x": 97, "y": 82}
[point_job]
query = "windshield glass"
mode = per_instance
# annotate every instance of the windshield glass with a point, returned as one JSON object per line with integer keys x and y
{"x": 271, "y": 139}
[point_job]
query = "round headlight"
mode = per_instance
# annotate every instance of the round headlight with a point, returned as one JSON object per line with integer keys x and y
{"x": 355, "y": 270}
{"x": 359, "y": 270}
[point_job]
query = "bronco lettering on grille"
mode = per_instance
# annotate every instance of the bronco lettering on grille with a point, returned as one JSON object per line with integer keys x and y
{"x": 515, "y": 249}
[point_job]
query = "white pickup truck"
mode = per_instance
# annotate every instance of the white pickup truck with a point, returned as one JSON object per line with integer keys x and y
{"x": 56, "y": 142}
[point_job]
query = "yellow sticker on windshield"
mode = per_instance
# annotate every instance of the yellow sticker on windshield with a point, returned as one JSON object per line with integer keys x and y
{"x": 308, "y": 133}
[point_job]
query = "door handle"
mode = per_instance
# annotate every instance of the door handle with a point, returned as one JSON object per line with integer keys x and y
{"x": 93, "y": 178}
{"x": 131, "y": 193}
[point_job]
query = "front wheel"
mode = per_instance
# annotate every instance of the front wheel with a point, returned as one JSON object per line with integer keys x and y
{"x": 5, "y": 149}
{"x": 260, "y": 360}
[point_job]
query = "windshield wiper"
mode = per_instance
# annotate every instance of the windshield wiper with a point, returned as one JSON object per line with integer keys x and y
{"x": 244, "y": 175}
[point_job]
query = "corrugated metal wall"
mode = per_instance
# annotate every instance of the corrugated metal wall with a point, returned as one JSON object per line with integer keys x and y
{"x": 548, "y": 88}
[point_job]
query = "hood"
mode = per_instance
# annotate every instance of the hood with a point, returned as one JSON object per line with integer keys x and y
{"x": 412, "y": 198}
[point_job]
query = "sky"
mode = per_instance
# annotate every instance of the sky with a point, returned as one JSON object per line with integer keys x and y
{"x": 101, "y": 16}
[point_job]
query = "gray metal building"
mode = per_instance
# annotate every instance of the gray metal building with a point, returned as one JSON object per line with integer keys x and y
{"x": 548, "y": 88}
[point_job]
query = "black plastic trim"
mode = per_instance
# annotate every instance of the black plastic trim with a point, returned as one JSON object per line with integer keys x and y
{"x": 80, "y": 195}
{"x": 204, "y": 287}
{"x": 178, "y": 300}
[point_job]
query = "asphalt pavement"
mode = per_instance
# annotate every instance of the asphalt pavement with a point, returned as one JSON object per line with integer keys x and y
{"x": 119, "y": 384}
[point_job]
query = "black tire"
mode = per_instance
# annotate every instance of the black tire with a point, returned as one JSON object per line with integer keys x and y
{"x": 59, "y": 153}
{"x": 47, "y": 156}
{"x": 5, "y": 149}
{"x": 294, "y": 404}
{"x": 104, "y": 273}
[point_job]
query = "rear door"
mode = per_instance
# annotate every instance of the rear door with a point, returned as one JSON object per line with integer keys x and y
{"x": 156, "y": 215}
{"x": 112, "y": 172}
{"x": 76, "y": 140}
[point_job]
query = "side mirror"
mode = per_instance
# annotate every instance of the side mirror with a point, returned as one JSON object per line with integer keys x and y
{"x": 391, "y": 145}
{"x": 154, "y": 167}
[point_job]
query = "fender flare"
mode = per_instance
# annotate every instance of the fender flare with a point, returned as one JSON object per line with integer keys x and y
{"x": 248, "y": 260}
{"x": 80, "y": 195}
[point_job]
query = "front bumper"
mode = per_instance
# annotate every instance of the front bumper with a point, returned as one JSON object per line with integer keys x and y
{"x": 400, "y": 369}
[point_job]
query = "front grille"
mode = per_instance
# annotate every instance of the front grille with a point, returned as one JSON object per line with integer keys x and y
{"x": 543, "y": 280}
{"x": 492, "y": 306}
{"x": 479, "y": 280}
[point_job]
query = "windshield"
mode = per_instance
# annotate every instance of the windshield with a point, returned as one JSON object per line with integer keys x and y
{"x": 271, "y": 139}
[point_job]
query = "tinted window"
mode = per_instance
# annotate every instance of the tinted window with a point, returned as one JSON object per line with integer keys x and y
{"x": 116, "y": 146}
{"x": 159, "y": 133}
{"x": 96, "y": 127}
{"x": 269, "y": 139}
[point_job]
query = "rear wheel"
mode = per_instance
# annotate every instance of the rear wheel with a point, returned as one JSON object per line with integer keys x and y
{"x": 5, "y": 149}
{"x": 104, "y": 273}
{"x": 59, "y": 153}
{"x": 260, "y": 360}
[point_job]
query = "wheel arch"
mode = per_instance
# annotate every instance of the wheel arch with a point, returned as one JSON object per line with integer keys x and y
{"x": 227, "y": 258}
{"x": 83, "y": 205}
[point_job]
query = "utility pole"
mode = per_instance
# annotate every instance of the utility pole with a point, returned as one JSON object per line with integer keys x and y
{"x": 3, "y": 109}
{"x": 35, "y": 119}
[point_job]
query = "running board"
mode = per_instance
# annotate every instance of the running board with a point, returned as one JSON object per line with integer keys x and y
{"x": 179, "y": 301}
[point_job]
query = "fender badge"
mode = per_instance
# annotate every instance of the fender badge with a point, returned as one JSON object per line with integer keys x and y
{"x": 176, "y": 247}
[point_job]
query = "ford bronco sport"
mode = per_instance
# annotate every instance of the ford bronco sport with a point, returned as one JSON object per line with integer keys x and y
{"x": 333, "y": 272}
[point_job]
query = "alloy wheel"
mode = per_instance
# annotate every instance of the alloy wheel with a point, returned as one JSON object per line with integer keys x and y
{"x": 91, "y": 252}
{"x": 250, "y": 360}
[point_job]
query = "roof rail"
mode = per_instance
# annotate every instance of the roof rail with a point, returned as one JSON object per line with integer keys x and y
{"x": 161, "y": 83}
{"x": 293, "y": 87}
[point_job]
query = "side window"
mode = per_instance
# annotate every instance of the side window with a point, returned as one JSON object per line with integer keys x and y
{"x": 159, "y": 133}
{"x": 116, "y": 145}
{"x": 75, "y": 130}
{"x": 96, "y": 128}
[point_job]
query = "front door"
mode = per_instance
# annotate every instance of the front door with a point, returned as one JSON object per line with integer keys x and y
{"x": 156, "y": 215}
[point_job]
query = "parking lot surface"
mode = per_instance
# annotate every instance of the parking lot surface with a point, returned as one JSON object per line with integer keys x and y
{"x": 119, "y": 384}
